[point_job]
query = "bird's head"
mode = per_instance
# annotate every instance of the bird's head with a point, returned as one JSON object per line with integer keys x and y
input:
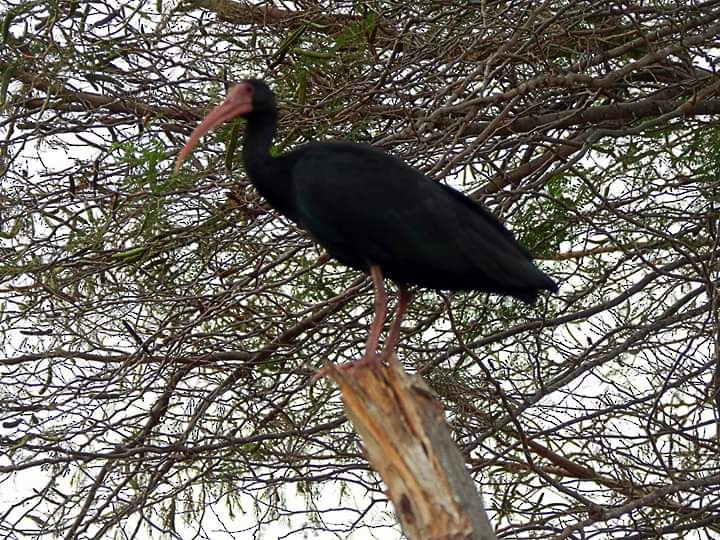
{"x": 246, "y": 98}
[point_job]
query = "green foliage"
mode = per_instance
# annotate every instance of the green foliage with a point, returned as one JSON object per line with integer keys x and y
{"x": 142, "y": 159}
{"x": 355, "y": 34}
{"x": 319, "y": 54}
{"x": 146, "y": 174}
{"x": 703, "y": 157}
{"x": 232, "y": 145}
{"x": 7, "y": 75}
{"x": 541, "y": 223}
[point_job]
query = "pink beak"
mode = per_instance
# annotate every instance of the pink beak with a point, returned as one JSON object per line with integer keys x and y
{"x": 237, "y": 102}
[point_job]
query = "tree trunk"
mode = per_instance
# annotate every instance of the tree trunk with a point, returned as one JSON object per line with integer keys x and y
{"x": 408, "y": 443}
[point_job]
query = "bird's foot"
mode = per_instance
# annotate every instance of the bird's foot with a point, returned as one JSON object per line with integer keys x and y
{"x": 367, "y": 361}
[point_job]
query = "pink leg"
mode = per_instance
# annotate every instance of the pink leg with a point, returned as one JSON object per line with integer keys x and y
{"x": 371, "y": 356}
{"x": 394, "y": 334}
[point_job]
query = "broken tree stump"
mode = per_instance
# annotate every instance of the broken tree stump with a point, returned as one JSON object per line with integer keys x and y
{"x": 407, "y": 442}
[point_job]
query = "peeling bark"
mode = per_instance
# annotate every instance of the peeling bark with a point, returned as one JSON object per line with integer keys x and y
{"x": 408, "y": 443}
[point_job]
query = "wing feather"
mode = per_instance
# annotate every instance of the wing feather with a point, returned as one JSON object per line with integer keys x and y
{"x": 366, "y": 207}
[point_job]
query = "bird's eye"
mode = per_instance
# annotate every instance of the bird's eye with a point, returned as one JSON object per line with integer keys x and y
{"x": 247, "y": 89}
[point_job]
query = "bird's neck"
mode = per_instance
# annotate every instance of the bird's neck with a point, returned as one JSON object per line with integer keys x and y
{"x": 269, "y": 174}
{"x": 259, "y": 135}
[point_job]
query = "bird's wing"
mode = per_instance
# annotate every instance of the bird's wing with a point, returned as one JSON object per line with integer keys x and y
{"x": 367, "y": 207}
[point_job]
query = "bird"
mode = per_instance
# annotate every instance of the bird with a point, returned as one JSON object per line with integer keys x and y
{"x": 375, "y": 213}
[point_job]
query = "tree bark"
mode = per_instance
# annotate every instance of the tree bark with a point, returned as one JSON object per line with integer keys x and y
{"x": 408, "y": 443}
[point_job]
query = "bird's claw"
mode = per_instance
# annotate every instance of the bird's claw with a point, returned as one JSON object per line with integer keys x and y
{"x": 367, "y": 361}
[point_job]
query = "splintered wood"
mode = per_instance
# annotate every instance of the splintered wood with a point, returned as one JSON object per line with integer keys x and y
{"x": 407, "y": 442}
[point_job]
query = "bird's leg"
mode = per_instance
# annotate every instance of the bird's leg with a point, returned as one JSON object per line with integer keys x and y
{"x": 394, "y": 334}
{"x": 371, "y": 357}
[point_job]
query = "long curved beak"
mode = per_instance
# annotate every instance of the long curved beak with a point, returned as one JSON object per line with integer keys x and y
{"x": 235, "y": 104}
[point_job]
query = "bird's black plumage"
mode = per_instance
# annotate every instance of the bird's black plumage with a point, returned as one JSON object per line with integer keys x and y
{"x": 377, "y": 214}
{"x": 367, "y": 207}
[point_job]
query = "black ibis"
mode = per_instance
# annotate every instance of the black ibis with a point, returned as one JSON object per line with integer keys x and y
{"x": 376, "y": 214}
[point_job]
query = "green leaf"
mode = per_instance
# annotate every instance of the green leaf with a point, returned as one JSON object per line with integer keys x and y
{"x": 285, "y": 46}
{"x": 5, "y": 82}
{"x": 232, "y": 146}
{"x": 5, "y": 27}
{"x": 48, "y": 380}
{"x": 314, "y": 54}
{"x": 132, "y": 253}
